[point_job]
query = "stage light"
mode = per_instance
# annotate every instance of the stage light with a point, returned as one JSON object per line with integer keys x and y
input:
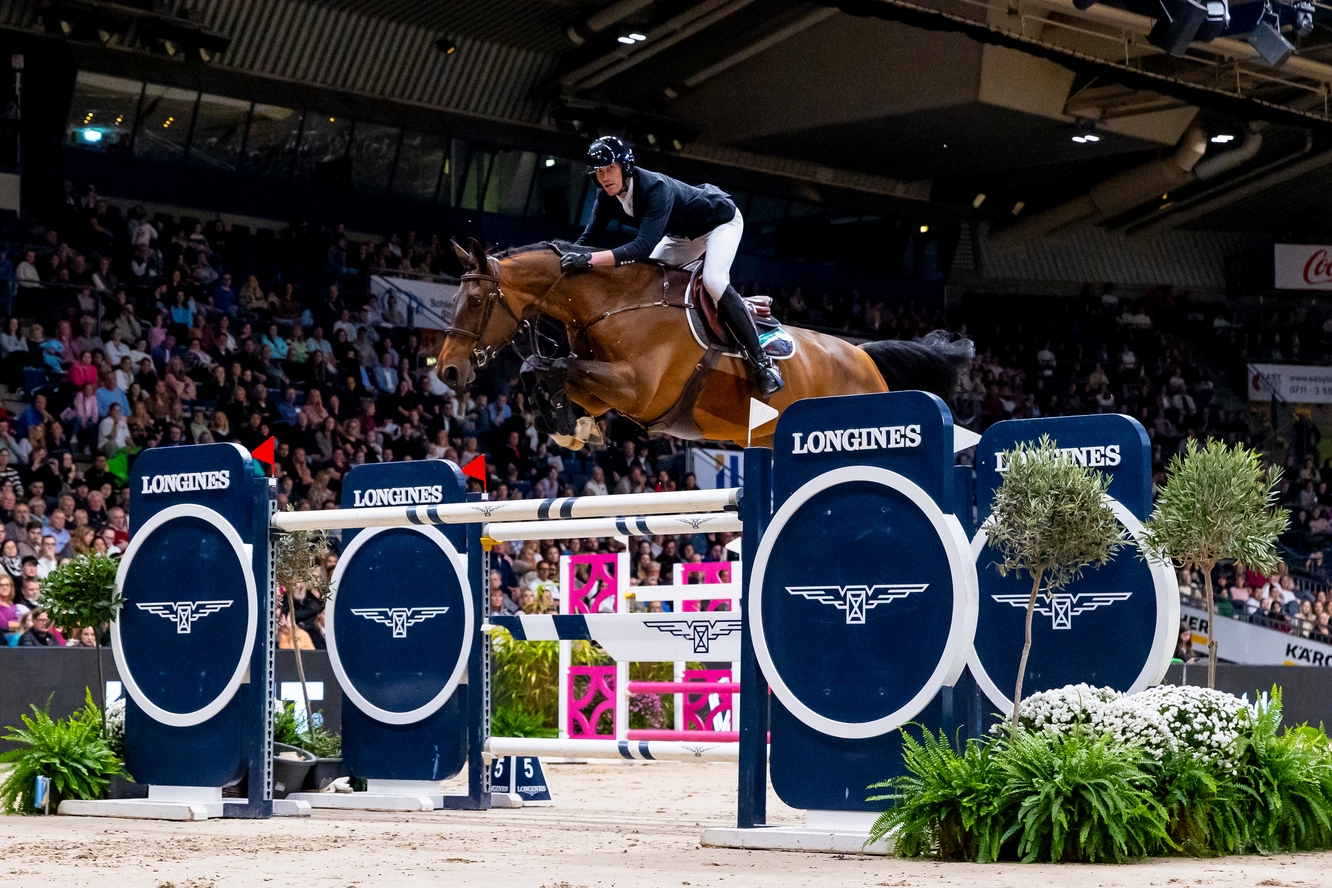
{"x": 91, "y": 135}
{"x": 550, "y": 161}
{"x": 1017, "y": 207}
{"x": 1223, "y": 138}
{"x": 637, "y": 36}
{"x": 924, "y": 229}
{"x": 980, "y": 199}
{"x": 446, "y": 46}
{"x": 1079, "y": 139}
{"x": 625, "y": 39}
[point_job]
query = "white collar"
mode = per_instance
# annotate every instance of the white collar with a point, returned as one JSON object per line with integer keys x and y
{"x": 627, "y": 198}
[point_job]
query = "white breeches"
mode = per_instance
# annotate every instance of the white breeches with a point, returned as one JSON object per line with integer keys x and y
{"x": 720, "y": 244}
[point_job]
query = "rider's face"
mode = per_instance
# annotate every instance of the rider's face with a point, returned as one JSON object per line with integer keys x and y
{"x": 611, "y": 177}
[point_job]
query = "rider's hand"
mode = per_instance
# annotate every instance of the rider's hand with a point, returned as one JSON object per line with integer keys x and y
{"x": 575, "y": 261}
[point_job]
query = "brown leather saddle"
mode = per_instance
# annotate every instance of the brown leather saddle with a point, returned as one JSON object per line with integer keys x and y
{"x": 710, "y": 332}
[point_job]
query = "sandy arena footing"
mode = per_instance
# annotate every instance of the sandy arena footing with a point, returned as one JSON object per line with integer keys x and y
{"x": 635, "y": 825}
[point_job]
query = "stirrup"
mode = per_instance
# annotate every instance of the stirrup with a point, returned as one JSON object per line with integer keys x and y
{"x": 768, "y": 378}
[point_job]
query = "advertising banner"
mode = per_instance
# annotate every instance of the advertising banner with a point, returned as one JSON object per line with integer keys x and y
{"x": 1292, "y": 383}
{"x": 1303, "y": 267}
{"x": 425, "y": 305}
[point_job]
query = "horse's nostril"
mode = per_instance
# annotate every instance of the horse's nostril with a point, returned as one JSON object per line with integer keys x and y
{"x": 450, "y": 376}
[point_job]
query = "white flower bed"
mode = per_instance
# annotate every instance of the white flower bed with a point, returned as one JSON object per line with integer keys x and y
{"x": 115, "y": 726}
{"x": 1197, "y": 721}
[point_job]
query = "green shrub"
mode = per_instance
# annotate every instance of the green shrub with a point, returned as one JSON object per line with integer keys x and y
{"x": 512, "y": 720}
{"x": 322, "y": 743}
{"x": 71, "y": 752}
{"x": 1288, "y": 777}
{"x": 1080, "y": 796}
{"x": 947, "y": 805}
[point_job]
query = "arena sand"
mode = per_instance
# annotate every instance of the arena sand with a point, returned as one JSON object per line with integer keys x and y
{"x": 614, "y": 824}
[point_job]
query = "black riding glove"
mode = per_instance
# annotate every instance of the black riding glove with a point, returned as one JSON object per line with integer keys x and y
{"x": 573, "y": 262}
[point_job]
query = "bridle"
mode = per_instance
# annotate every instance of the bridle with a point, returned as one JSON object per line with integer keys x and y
{"x": 494, "y": 296}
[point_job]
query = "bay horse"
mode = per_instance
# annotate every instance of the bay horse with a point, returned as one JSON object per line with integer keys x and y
{"x": 632, "y": 351}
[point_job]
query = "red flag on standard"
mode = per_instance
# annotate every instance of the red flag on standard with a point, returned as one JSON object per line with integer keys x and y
{"x": 476, "y": 469}
{"x": 264, "y": 453}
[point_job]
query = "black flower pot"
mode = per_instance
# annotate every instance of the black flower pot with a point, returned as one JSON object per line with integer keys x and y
{"x": 125, "y": 788}
{"x": 290, "y": 771}
{"x": 324, "y": 772}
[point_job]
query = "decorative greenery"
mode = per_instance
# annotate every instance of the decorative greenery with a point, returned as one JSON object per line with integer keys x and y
{"x": 1081, "y": 796}
{"x": 948, "y": 805}
{"x": 322, "y": 743}
{"x": 82, "y": 592}
{"x": 1051, "y": 520}
{"x": 512, "y": 720}
{"x": 71, "y": 752}
{"x": 1217, "y": 502}
{"x": 1080, "y": 779}
{"x": 285, "y": 729}
{"x": 318, "y": 741}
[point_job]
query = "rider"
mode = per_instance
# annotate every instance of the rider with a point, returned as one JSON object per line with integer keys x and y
{"x": 676, "y": 223}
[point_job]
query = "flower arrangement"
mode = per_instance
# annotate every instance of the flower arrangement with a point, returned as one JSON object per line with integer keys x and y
{"x": 1091, "y": 774}
{"x": 114, "y": 732}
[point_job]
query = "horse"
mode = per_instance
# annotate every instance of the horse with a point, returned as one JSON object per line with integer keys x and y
{"x": 632, "y": 351}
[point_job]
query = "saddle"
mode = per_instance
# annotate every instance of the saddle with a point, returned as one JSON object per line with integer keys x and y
{"x": 709, "y": 331}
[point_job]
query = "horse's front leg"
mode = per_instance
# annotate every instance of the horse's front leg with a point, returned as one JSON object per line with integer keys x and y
{"x": 598, "y": 386}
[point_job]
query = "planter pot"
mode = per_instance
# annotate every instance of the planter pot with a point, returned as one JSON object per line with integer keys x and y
{"x": 124, "y": 788}
{"x": 324, "y": 772}
{"x": 290, "y": 768}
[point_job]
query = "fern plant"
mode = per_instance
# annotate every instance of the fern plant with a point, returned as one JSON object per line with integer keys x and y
{"x": 1080, "y": 796}
{"x": 946, "y": 805}
{"x": 72, "y": 753}
{"x": 1288, "y": 777}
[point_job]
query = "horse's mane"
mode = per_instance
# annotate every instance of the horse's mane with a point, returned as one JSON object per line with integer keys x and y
{"x": 559, "y": 246}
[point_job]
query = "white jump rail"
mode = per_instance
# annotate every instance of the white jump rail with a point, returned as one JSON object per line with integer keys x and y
{"x": 632, "y": 750}
{"x": 549, "y": 511}
{"x": 640, "y": 525}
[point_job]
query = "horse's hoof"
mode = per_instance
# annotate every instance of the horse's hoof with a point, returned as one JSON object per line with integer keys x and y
{"x": 568, "y": 442}
{"x": 587, "y": 430}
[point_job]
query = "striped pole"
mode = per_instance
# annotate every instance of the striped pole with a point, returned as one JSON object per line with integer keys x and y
{"x": 631, "y": 750}
{"x": 562, "y": 508}
{"x": 641, "y": 525}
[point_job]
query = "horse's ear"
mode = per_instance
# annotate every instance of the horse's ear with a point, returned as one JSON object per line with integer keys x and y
{"x": 464, "y": 258}
{"x": 478, "y": 252}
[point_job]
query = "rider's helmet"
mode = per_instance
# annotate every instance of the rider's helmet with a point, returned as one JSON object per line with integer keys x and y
{"x": 608, "y": 150}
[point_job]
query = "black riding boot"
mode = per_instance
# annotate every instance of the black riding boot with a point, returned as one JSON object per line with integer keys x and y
{"x": 737, "y": 319}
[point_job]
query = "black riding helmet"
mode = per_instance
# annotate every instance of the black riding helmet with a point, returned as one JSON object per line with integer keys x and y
{"x": 608, "y": 150}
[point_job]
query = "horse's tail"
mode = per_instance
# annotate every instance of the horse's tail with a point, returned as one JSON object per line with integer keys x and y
{"x": 935, "y": 364}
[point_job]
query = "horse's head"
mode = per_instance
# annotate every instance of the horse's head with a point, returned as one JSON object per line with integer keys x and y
{"x": 482, "y": 322}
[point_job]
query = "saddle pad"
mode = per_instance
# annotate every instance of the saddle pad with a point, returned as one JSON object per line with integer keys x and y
{"x": 709, "y": 332}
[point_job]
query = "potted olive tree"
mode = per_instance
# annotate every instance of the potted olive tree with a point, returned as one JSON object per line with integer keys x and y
{"x": 300, "y": 561}
{"x": 1050, "y": 520}
{"x": 1218, "y": 502}
{"x": 82, "y": 592}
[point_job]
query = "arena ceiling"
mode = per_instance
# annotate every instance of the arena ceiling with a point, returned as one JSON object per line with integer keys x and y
{"x": 915, "y": 105}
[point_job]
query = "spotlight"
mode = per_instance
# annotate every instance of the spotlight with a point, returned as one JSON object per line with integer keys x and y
{"x": 1018, "y": 207}
{"x": 626, "y": 39}
{"x": 1304, "y": 13}
{"x": 1184, "y": 21}
{"x": 1079, "y": 139}
{"x": 629, "y": 38}
{"x": 446, "y": 46}
{"x": 980, "y": 199}
{"x": 91, "y": 135}
{"x": 924, "y": 229}
{"x": 1092, "y": 137}
{"x": 1267, "y": 39}
{"x": 1223, "y": 138}
{"x": 550, "y": 161}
